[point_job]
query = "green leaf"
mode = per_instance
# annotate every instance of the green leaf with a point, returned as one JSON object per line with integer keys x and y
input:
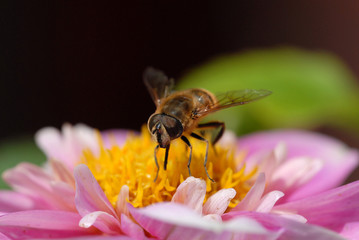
{"x": 310, "y": 89}
{"x": 16, "y": 150}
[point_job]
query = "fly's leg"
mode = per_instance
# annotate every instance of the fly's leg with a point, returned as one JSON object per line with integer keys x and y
{"x": 206, "y": 156}
{"x": 158, "y": 168}
{"x": 166, "y": 157}
{"x": 190, "y": 153}
{"x": 215, "y": 129}
{"x": 165, "y": 162}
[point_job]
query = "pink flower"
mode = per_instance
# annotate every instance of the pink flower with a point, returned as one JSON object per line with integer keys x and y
{"x": 279, "y": 185}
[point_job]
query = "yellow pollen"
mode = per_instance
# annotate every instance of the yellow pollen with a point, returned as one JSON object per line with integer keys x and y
{"x": 133, "y": 165}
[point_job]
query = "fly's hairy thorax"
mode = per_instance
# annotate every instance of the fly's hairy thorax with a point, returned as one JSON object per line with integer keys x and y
{"x": 184, "y": 105}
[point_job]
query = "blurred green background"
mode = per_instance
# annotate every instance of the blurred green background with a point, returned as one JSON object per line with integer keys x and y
{"x": 310, "y": 89}
{"x": 18, "y": 149}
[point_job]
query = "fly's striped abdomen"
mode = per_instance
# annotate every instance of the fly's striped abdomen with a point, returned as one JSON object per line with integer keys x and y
{"x": 202, "y": 100}
{"x": 178, "y": 106}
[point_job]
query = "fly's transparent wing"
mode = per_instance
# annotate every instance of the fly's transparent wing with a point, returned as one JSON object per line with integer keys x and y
{"x": 158, "y": 84}
{"x": 234, "y": 98}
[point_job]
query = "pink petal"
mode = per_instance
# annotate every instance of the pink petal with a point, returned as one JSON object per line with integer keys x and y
{"x": 132, "y": 229}
{"x": 115, "y": 137}
{"x": 218, "y": 203}
{"x": 12, "y": 202}
{"x": 191, "y": 193}
{"x": 175, "y": 221}
{"x": 337, "y": 171}
{"x": 251, "y": 200}
{"x": 33, "y": 181}
{"x": 294, "y": 173}
{"x": 28, "y": 178}
{"x": 289, "y": 229}
{"x": 350, "y": 230}
{"x": 65, "y": 195}
{"x": 339, "y": 160}
{"x": 89, "y": 195}
{"x": 268, "y": 201}
{"x": 103, "y": 221}
{"x": 3, "y": 237}
{"x": 62, "y": 173}
{"x": 331, "y": 209}
{"x": 213, "y": 217}
{"x": 292, "y": 216}
{"x": 49, "y": 139}
{"x": 42, "y": 224}
{"x": 121, "y": 204}
{"x": 267, "y": 161}
{"x": 67, "y": 146}
{"x": 82, "y": 134}
{"x": 97, "y": 237}
{"x": 280, "y": 152}
{"x": 228, "y": 139}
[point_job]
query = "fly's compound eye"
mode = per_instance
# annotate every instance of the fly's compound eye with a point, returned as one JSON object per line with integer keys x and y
{"x": 153, "y": 122}
{"x": 173, "y": 126}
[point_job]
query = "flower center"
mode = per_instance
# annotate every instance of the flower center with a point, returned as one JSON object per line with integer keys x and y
{"x": 133, "y": 165}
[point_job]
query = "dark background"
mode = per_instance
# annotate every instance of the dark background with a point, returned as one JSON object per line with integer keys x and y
{"x": 77, "y": 61}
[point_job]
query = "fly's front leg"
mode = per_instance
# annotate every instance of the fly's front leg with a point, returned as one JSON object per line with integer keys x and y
{"x": 215, "y": 129}
{"x": 190, "y": 153}
{"x": 158, "y": 168}
{"x": 165, "y": 162}
{"x": 206, "y": 156}
{"x": 166, "y": 157}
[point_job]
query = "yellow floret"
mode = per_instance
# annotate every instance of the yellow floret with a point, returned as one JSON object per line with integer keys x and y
{"x": 133, "y": 165}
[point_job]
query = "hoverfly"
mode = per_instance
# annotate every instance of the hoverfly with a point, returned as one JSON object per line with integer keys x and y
{"x": 178, "y": 112}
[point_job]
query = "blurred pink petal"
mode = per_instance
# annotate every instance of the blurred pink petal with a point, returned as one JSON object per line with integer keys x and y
{"x": 67, "y": 146}
{"x": 213, "y": 217}
{"x": 218, "y": 203}
{"x": 89, "y": 195}
{"x": 132, "y": 229}
{"x": 115, "y": 137}
{"x": 338, "y": 172}
{"x": 289, "y": 228}
{"x": 292, "y": 174}
{"x": 289, "y": 215}
{"x": 33, "y": 181}
{"x": 191, "y": 193}
{"x": 338, "y": 160}
{"x": 3, "y": 237}
{"x": 350, "y": 230}
{"x": 331, "y": 209}
{"x": 267, "y": 161}
{"x": 28, "y": 178}
{"x": 65, "y": 194}
{"x": 121, "y": 204}
{"x": 103, "y": 221}
{"x": 97, "y": 237}
{"x": 255, "y": 201}
{"x": 42, "y": 224}
{"x": 12, "y": 201}
{"x": 268, "y": 201}
{"x": 251, "y": 200}
{"x": 228, "y": 139}
{"x": 62, "y": 173}
{"x": 174, "y": 221}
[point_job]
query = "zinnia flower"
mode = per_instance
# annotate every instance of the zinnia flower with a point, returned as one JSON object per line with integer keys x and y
{"x": 269, "y": 185}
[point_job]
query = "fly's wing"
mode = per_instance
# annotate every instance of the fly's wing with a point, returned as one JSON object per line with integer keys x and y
{"x": 234, "y": 98}
{"x": 158, "y": 84}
